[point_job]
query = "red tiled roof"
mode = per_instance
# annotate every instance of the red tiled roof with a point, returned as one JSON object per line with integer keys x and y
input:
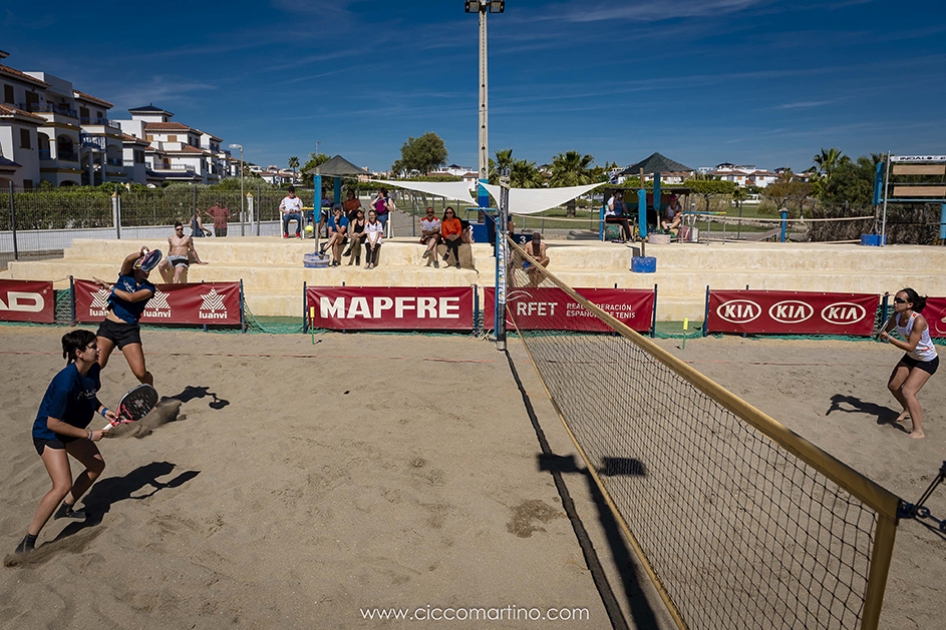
{"x": 22, "y": 76}
{"x": 127, "y": 138}
{"x": 6, "y": 110}
{"x": 187, "y": 149}
{"x": 89, "y": 97}
{"x": 166, "y": 126}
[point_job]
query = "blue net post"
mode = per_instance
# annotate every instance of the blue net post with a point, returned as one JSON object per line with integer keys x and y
{"x": 642, "y": 210}
{"x": 942, "y": 222}
{"x": 784, "y": 226}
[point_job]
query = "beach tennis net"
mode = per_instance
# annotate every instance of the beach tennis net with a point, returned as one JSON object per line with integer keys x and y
{"x": 739, "y": 522}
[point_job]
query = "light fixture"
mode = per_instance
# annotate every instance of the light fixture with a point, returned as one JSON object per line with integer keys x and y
{"x": 497, "y": 6}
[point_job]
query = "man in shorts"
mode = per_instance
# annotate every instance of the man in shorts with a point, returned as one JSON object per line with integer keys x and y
{"x": 180, "y": 251}
{"x": 430, "y": 236}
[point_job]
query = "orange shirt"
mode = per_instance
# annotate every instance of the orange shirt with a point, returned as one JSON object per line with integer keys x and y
{"x": 451, "y": 226}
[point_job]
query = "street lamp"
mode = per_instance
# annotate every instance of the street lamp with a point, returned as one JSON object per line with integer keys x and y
{"x": 242, "y": 196}
{"x": 483, "y": 7}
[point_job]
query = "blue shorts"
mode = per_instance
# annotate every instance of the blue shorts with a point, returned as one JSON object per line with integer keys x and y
{"x": 59, "y": 443}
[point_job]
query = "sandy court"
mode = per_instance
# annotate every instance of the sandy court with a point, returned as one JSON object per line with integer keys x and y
{"x": 303, "y": 483}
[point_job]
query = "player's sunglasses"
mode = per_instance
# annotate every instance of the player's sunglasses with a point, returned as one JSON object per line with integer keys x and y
{"x": 899, "y": 300}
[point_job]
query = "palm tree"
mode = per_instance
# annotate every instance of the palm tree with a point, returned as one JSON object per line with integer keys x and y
{"x": 829, "y": 159}
{"x": 502, "y": 162}
{"x": 294, "y": 164}
{"x": 571, "y": 169}
{"x": 524, "y": 174}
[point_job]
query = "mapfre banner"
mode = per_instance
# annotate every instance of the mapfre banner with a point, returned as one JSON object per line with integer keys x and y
{"x": 216, "y": 303}
{"x": 935, "y": 314}
{"x": 27, "y": 301}
{"x": 792, "y": 312}
{"x": 553, "y": 309}
{"x": 390, "y": 308}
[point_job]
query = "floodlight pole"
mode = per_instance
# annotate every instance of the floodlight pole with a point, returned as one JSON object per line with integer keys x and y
{"x": 883, "y": 224}
{"x": 483, "y": 196}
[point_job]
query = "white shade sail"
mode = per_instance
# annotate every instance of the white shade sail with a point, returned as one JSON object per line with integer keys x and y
{"x": 533, "y": 200}
{"x": 451, "y": 190}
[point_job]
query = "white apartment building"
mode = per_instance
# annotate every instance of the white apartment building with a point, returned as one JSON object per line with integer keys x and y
{"x": 743, "y": 175}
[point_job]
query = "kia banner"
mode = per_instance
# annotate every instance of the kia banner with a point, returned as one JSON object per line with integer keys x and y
{"x": 390, "y": 308}
{"x": 935, "y": 314}
{"x": 792, "y": 312}
{"x": 214, "y": 303}
{"x": 27, "y": 301}
{"x": 553, "y": 309}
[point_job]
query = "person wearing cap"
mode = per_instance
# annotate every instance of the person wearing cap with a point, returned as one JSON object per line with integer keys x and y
{"x": 180, "y": 252}
{"x": 126, "y": 303}
{"x": 291, "y": 209}
{"x": 337, "y": 235}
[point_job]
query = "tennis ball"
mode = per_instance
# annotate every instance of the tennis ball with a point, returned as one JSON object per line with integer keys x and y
{"x": 309, "y": 229}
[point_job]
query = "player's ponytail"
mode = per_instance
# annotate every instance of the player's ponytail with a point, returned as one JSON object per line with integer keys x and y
{"x": 75, "y": 340}
{"x": 919, "y": 303}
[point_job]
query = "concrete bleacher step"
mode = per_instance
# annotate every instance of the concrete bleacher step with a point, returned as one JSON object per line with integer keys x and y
{"x": 273, "y": 274}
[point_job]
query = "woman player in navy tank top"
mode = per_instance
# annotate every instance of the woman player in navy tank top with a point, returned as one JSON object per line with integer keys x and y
{"x": 59, "y": 429}
{"x": 129, "y": 296}
{"x": 920, "y": 361}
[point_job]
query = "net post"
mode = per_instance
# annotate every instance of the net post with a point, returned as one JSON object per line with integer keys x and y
{"x": 305, "y": 314}
{"x": 476, "y": 310}
{"x": 884, "y": 537}
{"x": 653, "y": 316}
{"x": 499, "y": 321}
{"x": 72, "y": 301}
{"x": 706, "y": 312}
{"x": 242, "y": 309}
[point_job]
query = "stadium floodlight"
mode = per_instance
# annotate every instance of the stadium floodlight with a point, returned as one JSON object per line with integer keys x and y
{"x": 242, "y": 196}
{"x": 477, "y": 6}
{"x": 497, "y": 6}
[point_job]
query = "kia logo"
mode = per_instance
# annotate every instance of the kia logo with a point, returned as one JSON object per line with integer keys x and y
{"x": 842, "y": 313}
{"x": 739, "y": 311}
{"x": 791, "y": 311}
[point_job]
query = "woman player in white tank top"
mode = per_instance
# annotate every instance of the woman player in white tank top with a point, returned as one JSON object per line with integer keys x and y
{"x": 920, "y": 361}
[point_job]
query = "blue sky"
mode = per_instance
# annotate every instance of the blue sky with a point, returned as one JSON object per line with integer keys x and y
{"x": 765, "y": 82}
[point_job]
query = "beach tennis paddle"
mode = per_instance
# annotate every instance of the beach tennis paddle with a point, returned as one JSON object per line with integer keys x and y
{"x": 135, "y": 405}
{"x": 149, "y": 261}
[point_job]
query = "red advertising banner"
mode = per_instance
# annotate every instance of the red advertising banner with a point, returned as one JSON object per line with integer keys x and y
{"x": 390, "y": 308}
{"x": 935, "y": 314}
{"x": 27, "y": 301}
{"x": 215, "y": 303}
{"x": 553, "y": 309}
{"x": 792, "y": 312}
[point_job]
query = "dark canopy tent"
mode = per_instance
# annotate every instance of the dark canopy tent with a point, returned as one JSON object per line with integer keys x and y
{"x": 654, "y": 165}
{"x": 336, "y": 167}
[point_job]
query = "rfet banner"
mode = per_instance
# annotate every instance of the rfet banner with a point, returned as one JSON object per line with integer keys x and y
{"x": 27, "y": 301}
{"x": 390, "y": 308}
{"x": 216, "y": 303}
{"x": 553, "y": 309}
{"x": 792, "y": 312}
{"x": 935, "y": 314}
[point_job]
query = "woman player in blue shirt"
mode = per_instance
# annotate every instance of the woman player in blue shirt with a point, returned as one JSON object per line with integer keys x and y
{"x": 130, "y": 295}
{"x": 59, "y": 429}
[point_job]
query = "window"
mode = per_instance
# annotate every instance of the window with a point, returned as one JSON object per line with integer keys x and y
{"x": 172, "y": 138}
{"x": 25, "y": 139}
{"x": 139, "y": 157}
{"x": 8, "y": 94}
{"x": 84, "y": 113}
{"x": 100, "y": 114}
{"x": 150, "y": 138}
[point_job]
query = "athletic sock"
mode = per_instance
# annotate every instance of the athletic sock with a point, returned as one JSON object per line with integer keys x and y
{"x": 26, "y": 545}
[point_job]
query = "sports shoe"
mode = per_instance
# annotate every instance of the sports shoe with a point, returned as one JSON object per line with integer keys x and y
{"x": 335, "y": 263}
{"x": 436, "y": 264}
{"x": 26, "y": 545}
{"x": 298, "y": 235}
{"x": 445, "y": 257}
{"x": 66, "y": 511}
{"x": 426, "y": 254}
{"x": 458, "y": 265}
{"x": 347, "y": 252}
{"x": 286, "y": 235}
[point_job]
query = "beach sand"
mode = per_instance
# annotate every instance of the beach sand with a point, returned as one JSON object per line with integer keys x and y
{"x": 288, "y": 485}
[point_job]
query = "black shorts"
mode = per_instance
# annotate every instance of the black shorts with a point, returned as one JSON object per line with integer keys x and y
{"x": 59, "y": 443}
{"x": 119, "y": 334}
{"x": 926, "y": 366}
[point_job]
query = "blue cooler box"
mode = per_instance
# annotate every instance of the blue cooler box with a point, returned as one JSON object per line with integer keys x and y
{"x": 875, "y": 240}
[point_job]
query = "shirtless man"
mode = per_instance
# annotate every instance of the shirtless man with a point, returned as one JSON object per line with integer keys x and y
{"x": 181, "y": 248}
{"x": 537, "y": 250}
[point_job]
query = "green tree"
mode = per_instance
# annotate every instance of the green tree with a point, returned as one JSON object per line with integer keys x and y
{"x": 503, "y": 161}
{"x": 571, "y": 169}
{"x": 851, "y": 184}
{"x": 293, "y": 164}
{"x": 829, "y": 159}
{"x": 315, "y": 159}
{"x": 709, "y": 187}
{"x": 422, "y": 154}
{"x": 524, "y": 174}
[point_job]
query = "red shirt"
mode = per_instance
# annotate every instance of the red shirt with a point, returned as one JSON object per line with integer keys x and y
{"x": 220, "y": 216}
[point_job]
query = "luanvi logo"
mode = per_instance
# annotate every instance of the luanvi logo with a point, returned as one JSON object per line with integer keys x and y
{"x": 212, "y": 306}
{"x": 739, "y": 311}
{"x": 158, "y": 306}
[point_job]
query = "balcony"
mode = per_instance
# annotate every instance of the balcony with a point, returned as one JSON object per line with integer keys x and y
{"x": 53, "y": 108}
{"x": 68, "y": 156}
{"x": 45, "y": 154}
{"x": 115, "y": 162}
{"x": 88, "y": 120}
